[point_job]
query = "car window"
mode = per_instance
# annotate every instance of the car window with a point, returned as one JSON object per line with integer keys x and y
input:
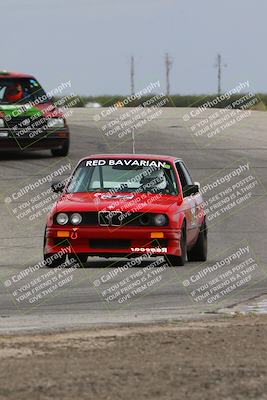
{"x": 30, "y": 91}
{"x": 127, "y": 175}
{"x": 187, "y": 174}
{"x": 184, "y": 175}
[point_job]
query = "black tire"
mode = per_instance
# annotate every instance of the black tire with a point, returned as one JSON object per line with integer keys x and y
{"x": 179, "y": 260}
{"x": 83, "y": 258}
{"x": 79, "y": 258}
{"x": 200, "y": 250}
{"x": 44, "y": 239}
{"x": 63, "y": 151}
{"x": 52, "y": 262}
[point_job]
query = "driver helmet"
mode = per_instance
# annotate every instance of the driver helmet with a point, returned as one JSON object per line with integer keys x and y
{"x": 14, "y": 93}
{"x": 155, "y": 181}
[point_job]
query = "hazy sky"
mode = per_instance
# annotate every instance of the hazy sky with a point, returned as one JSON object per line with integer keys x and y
{"x": 90, "y": 42}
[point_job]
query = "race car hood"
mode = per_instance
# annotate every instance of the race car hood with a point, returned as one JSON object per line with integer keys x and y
{"x": 27, "y": 110}
{"x": 132, "y": 202}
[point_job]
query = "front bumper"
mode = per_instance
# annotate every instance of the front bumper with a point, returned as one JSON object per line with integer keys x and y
{"x": 107, "y": 241}
{"x": 34, "y": 141}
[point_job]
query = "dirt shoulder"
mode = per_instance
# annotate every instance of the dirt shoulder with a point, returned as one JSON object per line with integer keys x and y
{"x": 210, "y": 359}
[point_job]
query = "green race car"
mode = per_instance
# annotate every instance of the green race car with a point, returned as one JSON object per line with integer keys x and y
{"x": 29, "y": 118}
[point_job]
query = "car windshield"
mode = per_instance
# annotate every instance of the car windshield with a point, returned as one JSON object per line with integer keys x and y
{"x": 21, "y": 91}
{"x": 124, "y": 175}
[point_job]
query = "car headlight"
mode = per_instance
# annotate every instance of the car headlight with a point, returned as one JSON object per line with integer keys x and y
{"x": 62, "y": 219}
{"x": 76, "y": 218}
{"x": 55, "y": 123}
{"x": 2, "y": 123}
{"x": 160, "y": 219}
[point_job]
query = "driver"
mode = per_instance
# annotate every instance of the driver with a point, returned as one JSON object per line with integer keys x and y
{"x": 14, "y": 93}
{"x": 154, "y": 182}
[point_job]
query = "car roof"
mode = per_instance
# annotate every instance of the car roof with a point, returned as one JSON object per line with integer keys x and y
{"x": 9, "y": 74}
{"x": 134, "y": 156}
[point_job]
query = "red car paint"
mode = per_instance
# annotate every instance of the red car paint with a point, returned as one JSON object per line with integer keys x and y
{"x": 179, "y": 208}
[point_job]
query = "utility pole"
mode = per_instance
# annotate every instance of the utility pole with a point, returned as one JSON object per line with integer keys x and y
{"x": 132, "y": 93}
{"x": 219, "y": 65}
{"x": 132, "y": 75}
{"x": 168, "y": 64}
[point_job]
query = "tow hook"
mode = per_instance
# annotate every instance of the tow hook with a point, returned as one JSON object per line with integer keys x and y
{"x": 74, "y": 234}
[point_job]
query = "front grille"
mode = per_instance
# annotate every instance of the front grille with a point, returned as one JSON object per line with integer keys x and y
{"x": 109, "y": 244}
{"x": 95, "y": 218}
{"x": 89, "y": 218}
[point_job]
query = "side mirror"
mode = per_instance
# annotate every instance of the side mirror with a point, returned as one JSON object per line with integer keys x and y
{"x": 198, "y": 184}
{"x": 190, "y": 189}
{"x": 58, "y": 187}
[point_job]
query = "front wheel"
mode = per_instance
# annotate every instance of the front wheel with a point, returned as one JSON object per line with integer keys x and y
{"x": 55, "y": 260}
{"x": 179, "y": 260}
{"x": 62, "y": 151}
{"x": 200, "y": 250}
{"x": 78, "y": 259}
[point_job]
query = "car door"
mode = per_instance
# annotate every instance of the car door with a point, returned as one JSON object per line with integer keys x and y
{"x": 190, "y": 203}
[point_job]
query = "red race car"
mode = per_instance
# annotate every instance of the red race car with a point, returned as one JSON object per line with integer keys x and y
{"x": 127, "y": 205}
{"x": 29, "y": 118}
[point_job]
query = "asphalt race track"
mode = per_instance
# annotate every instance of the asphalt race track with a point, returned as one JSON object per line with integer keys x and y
{"x": 82, "y": 299}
